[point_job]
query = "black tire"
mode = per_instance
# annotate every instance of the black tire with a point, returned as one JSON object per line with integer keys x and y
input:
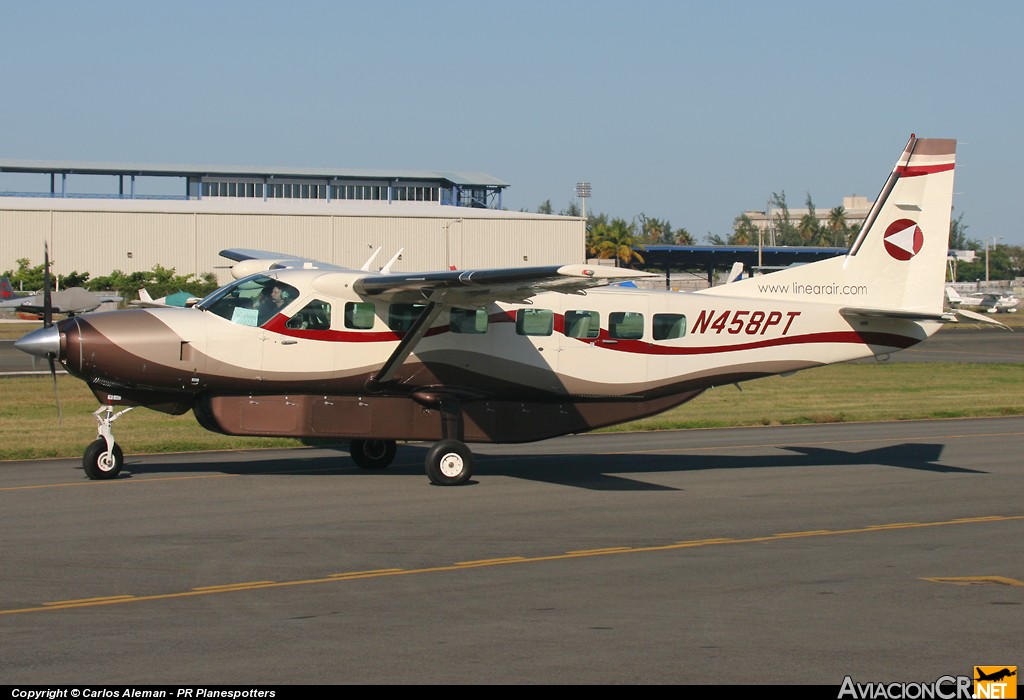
{"x": 372, "y": 454}
{"x": 96, "y": 464}
{"x": 449, "y": 463}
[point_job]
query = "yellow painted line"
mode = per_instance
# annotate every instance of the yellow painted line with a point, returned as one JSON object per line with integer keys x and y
{"x": 602, "y": 550}
{"x": 90, "y": 600}
{"x": 486, "y": 562}
{"x": 608, "y": 551}
{"x": 371, "y": 572}
{"x": 978, "y": 580}
{"x": 227, "y": 586}
{"x": 698, "y": 543}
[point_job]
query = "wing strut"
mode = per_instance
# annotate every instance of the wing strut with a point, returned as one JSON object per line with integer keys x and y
{"x": 413, "y": 336}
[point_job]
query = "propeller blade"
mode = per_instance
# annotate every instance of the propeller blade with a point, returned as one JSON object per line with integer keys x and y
{"x": 47, "y": 297}
{"x": 56, "y": 395}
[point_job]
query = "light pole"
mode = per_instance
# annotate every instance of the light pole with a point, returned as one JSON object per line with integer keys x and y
{"x": 994, "y": 239}
{"x": 447, "y": 244}
{"x": 583, "y": 191}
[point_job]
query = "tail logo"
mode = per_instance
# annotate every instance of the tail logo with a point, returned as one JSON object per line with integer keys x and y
{"x": 903, "y": 239}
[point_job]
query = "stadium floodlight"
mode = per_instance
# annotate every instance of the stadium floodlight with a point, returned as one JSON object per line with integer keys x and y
{"x": 583, "y": 191}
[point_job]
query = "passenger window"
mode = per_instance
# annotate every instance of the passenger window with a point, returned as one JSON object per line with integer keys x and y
{"x": 467, "y": 320}
{"x": 314, "y": 316}
{"x": 627, "y": 325}
{"x": 359, "y": 314}
{"x": 582, "y": 324}
{"x": 535, "y": 322}
{"x": 402, "y": 316}
{"x": 669, "y": 326}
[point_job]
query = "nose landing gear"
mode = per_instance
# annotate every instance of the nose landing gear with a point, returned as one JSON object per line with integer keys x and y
{"x": 103, "y": 457}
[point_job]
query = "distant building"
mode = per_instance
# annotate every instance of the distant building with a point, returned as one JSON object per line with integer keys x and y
{"x": 101, "y": 217}
{"x": 459, "y": 189}
{"x": 856, "y": 210}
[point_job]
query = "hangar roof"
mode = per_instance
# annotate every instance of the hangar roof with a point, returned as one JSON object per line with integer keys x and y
{"x": 197, "y": 170}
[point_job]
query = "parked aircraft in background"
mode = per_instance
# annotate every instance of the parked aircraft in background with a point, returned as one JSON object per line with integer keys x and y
{"x": 300, "y": 348}
{"x": 986, "y": 301}
{"x": 71, "y": 301}
{"x": 178, "y": 299}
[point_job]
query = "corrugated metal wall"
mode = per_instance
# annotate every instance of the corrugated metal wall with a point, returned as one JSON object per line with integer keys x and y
{"x": 99, "y": 242}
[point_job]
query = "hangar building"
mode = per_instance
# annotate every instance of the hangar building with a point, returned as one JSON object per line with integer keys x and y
{"x": 101, "y": 217}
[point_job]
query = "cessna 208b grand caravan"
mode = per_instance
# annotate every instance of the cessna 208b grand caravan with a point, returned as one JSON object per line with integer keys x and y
{"x": 305, "y": 349}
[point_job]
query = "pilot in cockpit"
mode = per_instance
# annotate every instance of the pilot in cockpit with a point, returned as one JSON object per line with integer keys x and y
{"x": 271, "y": 300}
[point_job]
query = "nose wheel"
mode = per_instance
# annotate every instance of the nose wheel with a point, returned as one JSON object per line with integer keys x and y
{"x": 101, "y": 463}
{"x": 103, "y": 457}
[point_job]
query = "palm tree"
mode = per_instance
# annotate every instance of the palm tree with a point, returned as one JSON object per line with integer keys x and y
{"x": 837, "y": 225}
{"x": 617, "y": 240}
{"x": 743, "y": 231}
{"x": 682, "y": 237}
{"x": 809, "y": 226}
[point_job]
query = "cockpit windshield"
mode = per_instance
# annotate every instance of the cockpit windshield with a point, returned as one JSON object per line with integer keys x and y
{"x": 251, "y": 301}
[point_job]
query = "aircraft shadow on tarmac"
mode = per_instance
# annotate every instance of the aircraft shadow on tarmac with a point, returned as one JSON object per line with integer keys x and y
{"x": 595, "y": 471}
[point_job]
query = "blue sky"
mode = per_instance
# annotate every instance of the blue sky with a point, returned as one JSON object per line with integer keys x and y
{"x": 686, "y": 111}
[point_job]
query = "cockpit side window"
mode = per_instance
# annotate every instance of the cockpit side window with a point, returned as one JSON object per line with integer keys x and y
{"x": 251, "y": 301}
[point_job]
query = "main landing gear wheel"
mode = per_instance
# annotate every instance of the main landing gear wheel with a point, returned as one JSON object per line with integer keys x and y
{"x": 449, "y": 463}
{"x": 98, "y": 464}
{"x": 372, "y": 454}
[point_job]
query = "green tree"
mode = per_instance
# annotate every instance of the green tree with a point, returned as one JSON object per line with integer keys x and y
{"x": 785, "y": 231}
{"x": 30, "y": 278}
{"x": 682, "y": 237}
{"x": 545, "y": 207}
{"x": 809, "y": 227}
{"x": 838, "y": 229}
{"x": 958, "y": 235}
{"x": 572, "y": 210}
{"x": 617, "y": 240}
{"x": 655, "y": 231}
{"x": 743, "y": 231}
{"x": 160, "y": 281}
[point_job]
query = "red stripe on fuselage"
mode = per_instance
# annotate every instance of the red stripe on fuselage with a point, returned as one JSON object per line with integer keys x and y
{"x": 604, "y": 340}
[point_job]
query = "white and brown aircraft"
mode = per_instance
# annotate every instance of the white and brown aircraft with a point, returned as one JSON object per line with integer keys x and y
{"x": 305, "y": 349}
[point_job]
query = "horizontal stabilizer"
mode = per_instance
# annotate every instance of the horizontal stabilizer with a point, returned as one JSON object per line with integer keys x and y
{"x": 895, "y": 313}
{"x": 980, "y": 318}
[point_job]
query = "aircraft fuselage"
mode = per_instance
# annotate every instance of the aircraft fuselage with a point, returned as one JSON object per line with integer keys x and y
{"x": 519, "y": 372}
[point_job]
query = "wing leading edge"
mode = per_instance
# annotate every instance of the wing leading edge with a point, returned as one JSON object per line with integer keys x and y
{"x": 478, "y": 287}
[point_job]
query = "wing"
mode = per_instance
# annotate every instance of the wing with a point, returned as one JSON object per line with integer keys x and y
{"x": 250, "y": 261}
{"x": 479, "y": 287}
{"x": 441, "y": 290}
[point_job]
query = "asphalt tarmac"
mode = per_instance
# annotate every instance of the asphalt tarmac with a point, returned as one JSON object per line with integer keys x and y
{"x": 887, "y": 552}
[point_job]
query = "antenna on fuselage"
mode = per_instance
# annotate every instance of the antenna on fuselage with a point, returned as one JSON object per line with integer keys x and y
{"x": 386, "y": 270}
{"x": 366, "y": 265}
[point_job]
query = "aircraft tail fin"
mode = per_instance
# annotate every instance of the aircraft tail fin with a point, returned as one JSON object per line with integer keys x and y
{"x": 6, "y": 290}
{"x": 898, "y": 260}
{"x": 144, "y": 295}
